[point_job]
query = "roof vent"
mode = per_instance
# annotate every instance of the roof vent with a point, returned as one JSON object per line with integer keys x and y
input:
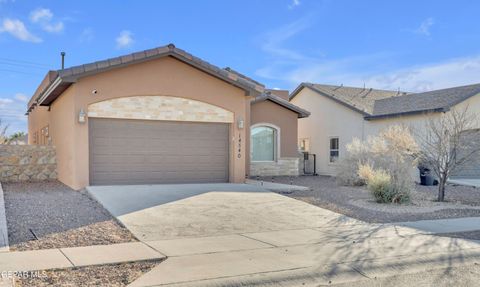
{"x": 63, "y": 59}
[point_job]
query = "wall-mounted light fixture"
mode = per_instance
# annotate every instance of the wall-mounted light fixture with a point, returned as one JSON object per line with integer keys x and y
{"x": 82, "y": 116}
{"x": 240, "y": 123}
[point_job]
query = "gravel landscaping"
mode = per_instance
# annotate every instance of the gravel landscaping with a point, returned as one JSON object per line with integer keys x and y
{"x": 100, "y": 275}
{"x": 42, "y": 215}
{"x": 357, "y": 202}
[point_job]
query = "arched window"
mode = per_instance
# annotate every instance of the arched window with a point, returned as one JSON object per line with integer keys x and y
{"x": 264, "y": 143}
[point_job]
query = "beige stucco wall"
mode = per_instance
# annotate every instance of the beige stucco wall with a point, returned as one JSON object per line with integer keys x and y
{"x": 331, "y": 119}
{"x": 162, "y": 77}
{"x": 62, "y": 133}
{"x": 38, "y": 118}
{"x": 327, "y": 119}
{"x": 419, "y": 122}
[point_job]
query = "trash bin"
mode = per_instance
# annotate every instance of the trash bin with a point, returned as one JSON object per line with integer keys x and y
{"x": 422, "y": 179}
{"x": 426, "y": 177}
{"x": 429, "y": 179}
{"x": 422, "y": 175}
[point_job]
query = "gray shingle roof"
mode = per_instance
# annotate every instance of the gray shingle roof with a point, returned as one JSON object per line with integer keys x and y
{"x": 278, "y": 100}
{"x": 374, "y": 104}
{"x": 72, "y": 74}
{"x": 438, "y": 100}
{"x": 359, "y": 99}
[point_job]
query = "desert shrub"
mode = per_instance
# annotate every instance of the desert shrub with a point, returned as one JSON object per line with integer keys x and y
{"x": 347, "y": 167}
{"x": 395, "y": 151}
{"x": 379, "y": 182}
{"x": 392, "y": 152}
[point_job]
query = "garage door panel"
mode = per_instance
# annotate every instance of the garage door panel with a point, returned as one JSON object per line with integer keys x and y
{"x": 144, "y": 152}
{"x": 152, "y": 168}
{"x": 169, "y": 177}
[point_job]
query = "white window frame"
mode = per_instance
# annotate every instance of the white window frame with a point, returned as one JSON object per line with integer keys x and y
{"x": 276, "y": 150}
{"x": 330, "y": 149}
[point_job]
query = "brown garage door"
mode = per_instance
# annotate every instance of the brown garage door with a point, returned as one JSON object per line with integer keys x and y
{"x": 146, "y": 152}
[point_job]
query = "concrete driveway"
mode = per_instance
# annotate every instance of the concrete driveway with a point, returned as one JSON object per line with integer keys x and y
{"x": 156, "y": 212}
{"x": 239, "y": 234}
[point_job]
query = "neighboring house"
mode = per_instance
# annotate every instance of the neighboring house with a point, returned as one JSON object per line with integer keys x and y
{"x": 339, "y": 114}
{"x": 162, "y": 116}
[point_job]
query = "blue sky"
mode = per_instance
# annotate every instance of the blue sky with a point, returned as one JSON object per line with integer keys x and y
{"x": 411, "y": 45}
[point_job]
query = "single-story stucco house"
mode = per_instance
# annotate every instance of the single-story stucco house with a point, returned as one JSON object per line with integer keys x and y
{"x": 162, "y": 116}
{"x": 339, "y": 114}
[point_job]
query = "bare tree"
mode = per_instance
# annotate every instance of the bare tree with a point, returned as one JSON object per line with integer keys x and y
{"x": 448, "y": 143}
{"x": 3, "y": 132}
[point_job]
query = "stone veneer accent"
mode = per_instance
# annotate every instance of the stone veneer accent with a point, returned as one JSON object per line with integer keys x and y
{"x": 27, "y": 163}
{"x": 159, "y": 108}
{"x": 283, "y": 166}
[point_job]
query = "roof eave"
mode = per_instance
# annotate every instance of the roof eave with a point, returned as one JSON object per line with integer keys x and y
{"x": 392, "y": 115}
{"x": 299, "y": 111}
{"x": 51, "y": 92}
{"x": 310, "y": 86}
{"x": 249, "y": 89}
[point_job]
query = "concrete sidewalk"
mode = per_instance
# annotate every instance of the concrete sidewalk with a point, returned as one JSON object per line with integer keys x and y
{"x": 465, "y": 181}
{"x": 324, "y": 255}
{"x": 77, "y": 256}
{"x": 444, "y": 225}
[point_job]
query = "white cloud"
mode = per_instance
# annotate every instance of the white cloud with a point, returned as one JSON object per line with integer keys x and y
{"x": 124, "y": 40}
{"x": 424, "y": 28}
{"x": 54, "y": 28}
{"x": 86, "y": 36}
{"x": 450, "y": 73}
{"x": 274, "y": 42}
{"x": 21, "y": 97}
{"x": 44, "y": 17}
{"x": 12, "y": 113}
{"x": 350, "y": 72}
{"x": 40, "y": 15}
{"x": 294, "y": 4}
{"x": 5, "y": 102}
{"x": 17, "y": 29}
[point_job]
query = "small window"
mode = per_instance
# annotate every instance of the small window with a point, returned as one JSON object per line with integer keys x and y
{"x": 334, "y": 149}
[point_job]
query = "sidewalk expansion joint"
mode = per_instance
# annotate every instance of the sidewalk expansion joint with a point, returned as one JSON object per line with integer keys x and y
{"x": 264, "y": 242}
{"x": 59, "y": 249}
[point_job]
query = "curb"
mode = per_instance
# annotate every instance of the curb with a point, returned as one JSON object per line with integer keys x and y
{"x": 4, "y": 247}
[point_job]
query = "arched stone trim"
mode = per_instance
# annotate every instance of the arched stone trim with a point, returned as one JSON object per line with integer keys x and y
{"x": 278, "y": 138}
{"x": 167, "y": 108}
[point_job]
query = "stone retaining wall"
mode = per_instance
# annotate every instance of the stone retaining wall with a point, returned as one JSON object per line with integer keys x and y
{"x": 283, "y": 166}
{"x": 27, "y": 163}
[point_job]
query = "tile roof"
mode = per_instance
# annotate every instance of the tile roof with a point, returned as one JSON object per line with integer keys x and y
{"x": 282, "y": 102}
{"x": 438, "y": 100}
{"x": 71, "y": 75}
